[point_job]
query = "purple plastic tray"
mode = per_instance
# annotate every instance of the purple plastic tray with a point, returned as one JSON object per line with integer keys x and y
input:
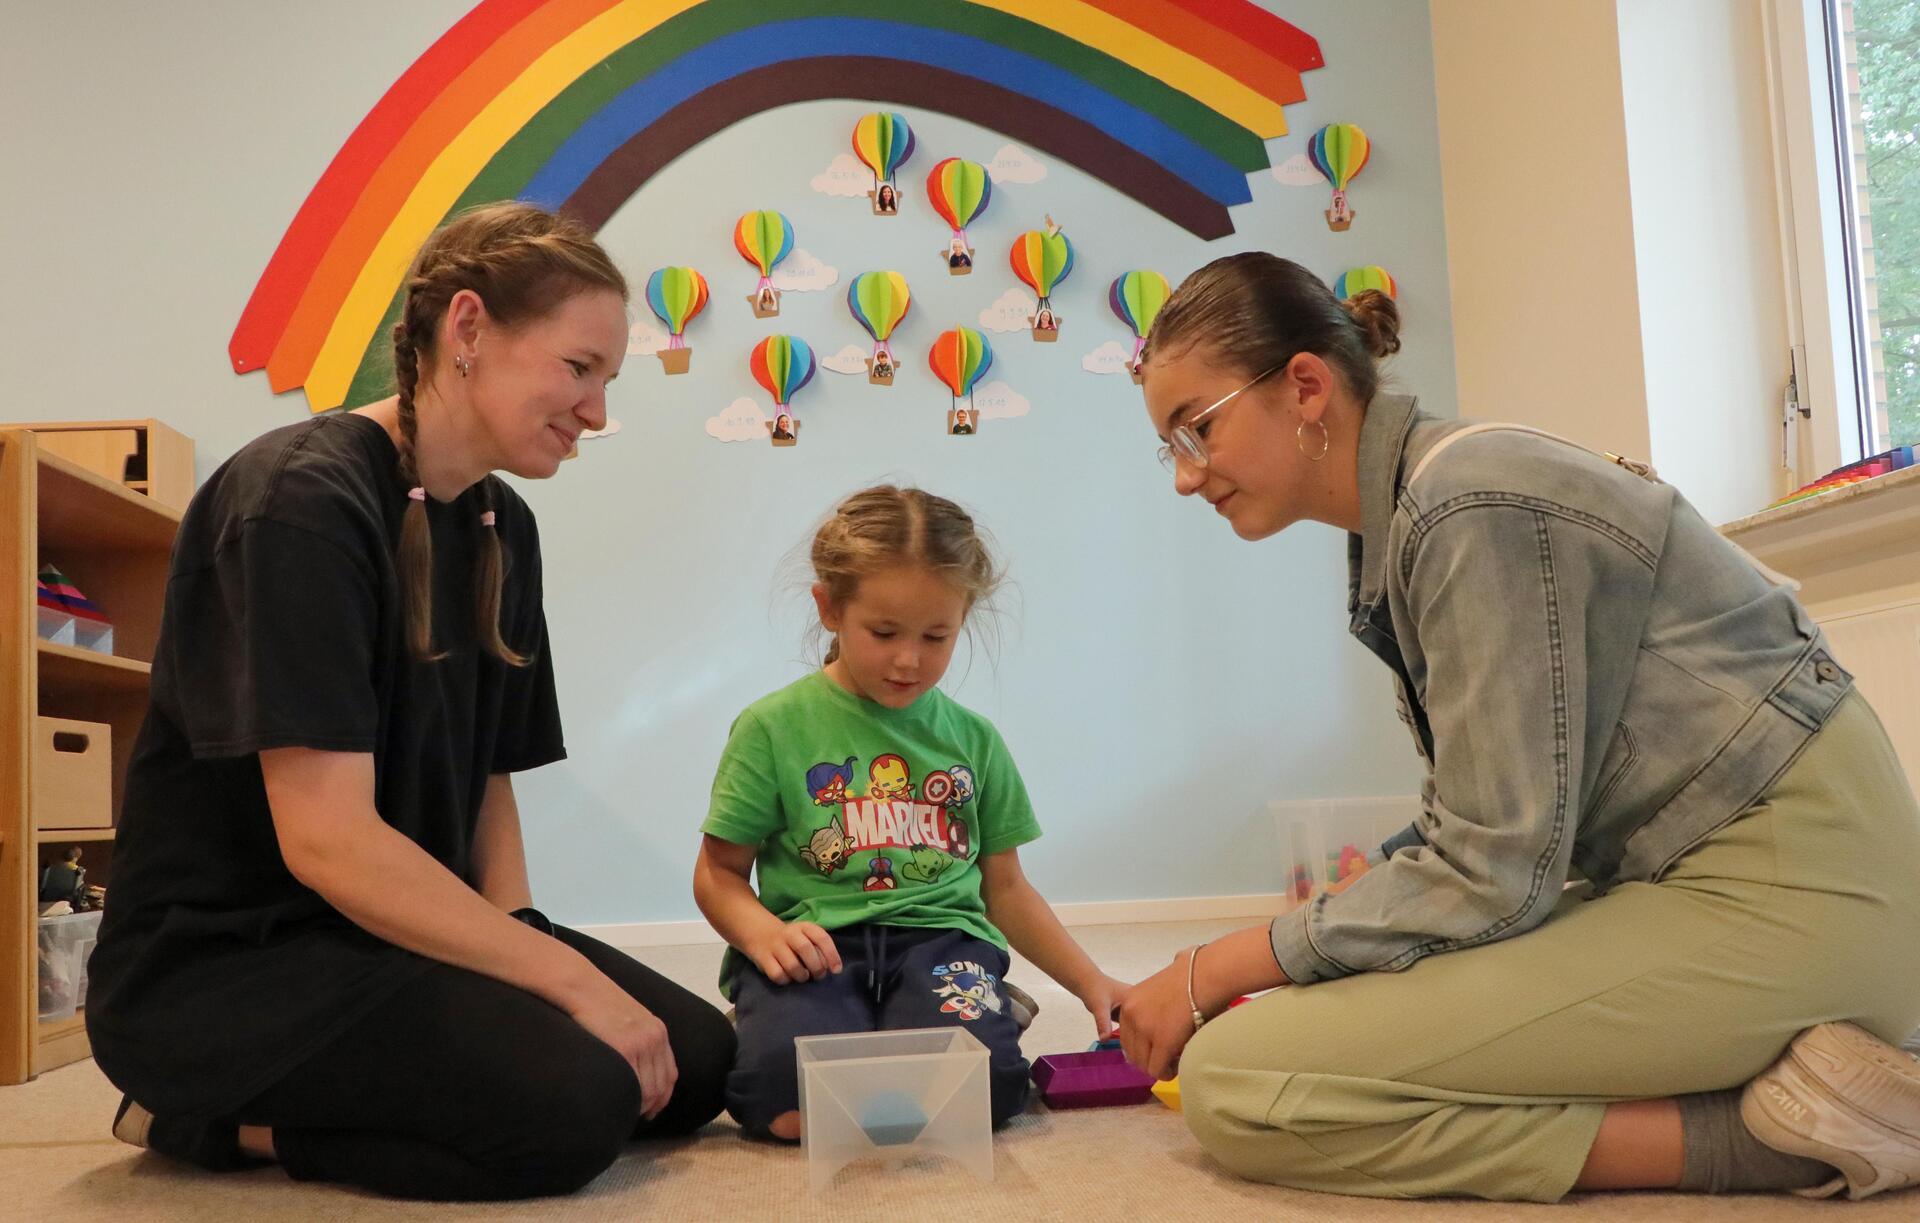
{"x": 1090, "y": 1080}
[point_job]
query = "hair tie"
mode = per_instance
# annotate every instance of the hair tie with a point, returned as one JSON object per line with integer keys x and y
{"x": 417, "y": 493}
{"x": 486, "y": 519}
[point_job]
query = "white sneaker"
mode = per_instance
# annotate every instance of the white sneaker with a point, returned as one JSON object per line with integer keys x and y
{"x": 1846, "y": 1098}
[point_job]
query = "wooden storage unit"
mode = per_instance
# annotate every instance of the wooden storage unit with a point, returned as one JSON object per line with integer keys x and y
{"x": 114, "y": 542}
{"x": 143, "y": 455}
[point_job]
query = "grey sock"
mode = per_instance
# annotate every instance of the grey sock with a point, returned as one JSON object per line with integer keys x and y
{"x": 1723, "y": 1156}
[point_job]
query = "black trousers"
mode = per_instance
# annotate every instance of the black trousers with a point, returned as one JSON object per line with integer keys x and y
{"x": 891, "y": 977}
{"x": 461, "y": 1087}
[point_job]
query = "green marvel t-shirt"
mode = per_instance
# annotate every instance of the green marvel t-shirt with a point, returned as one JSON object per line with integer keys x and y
{"x": 868, "y": 814}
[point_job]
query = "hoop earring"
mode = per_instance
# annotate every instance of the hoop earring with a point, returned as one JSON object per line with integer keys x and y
{"x": 461, "y": 364}
{"x": 1300, "y": 440}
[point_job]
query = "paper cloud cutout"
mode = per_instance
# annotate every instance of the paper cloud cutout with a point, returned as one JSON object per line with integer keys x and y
{"x": 998, "y": 401}
{"x": 850, "y": 360}
{"x": 1113, "y": 357}
{"x": 1013, "y": 164}
{"x": 1009, "y": 312}
{"x": 802, "y": 272}
{"x": 740, "y": 421}
{"x": 844, "y": 176}
{"x": 644, "y": 339}
{"x": 1297, "y": 171}
{"x": 613, "y": 427}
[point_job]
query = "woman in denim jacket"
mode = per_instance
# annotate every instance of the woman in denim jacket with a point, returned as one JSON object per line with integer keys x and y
{"x": 1605, "y": 691}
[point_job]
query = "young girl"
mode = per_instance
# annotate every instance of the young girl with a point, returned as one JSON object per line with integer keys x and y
{"x": 884, "y": 819}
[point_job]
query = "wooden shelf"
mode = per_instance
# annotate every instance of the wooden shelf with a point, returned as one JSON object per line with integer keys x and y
{"x": 54, "y": 1029}
{"x": 63, "y": 502}
{"x": 83, "y": 511}
{"x": 60, "y": 1042}
{"x": 71, "y": 836}
{"x": 71, "y": 667}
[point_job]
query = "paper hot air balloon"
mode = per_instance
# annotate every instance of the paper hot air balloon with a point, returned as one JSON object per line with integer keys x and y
{"x": 676, "y": 295}
{"x": 782, "y": 364}
{"x": 1339, "y": 151}
{"x": 959, "y": 191}
{"x": 884, "y": 142}
{"x": 763, "y": 239}
{"x": 1135, "y": 298}
{"x": 1042, "y": 258}
{"x": 960, "y": 358}
{"x": 878, "y": 301}
{"x": 1358, "y": 280}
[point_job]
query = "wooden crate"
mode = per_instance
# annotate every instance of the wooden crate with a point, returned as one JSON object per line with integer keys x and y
{"x": 72, "y": 772}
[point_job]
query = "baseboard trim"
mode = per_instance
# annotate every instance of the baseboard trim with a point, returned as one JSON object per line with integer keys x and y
{"x": 1083, "y": 913}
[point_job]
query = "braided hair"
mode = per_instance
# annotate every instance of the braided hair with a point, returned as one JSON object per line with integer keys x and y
{"x": 522, "y": 262}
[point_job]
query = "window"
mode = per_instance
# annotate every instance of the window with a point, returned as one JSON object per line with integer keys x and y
{"x": 1847, "y": 92}
{"x": 1876, "y": 92}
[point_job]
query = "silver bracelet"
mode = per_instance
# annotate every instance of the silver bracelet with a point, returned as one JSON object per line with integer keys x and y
{"x": 1193, "y": 957}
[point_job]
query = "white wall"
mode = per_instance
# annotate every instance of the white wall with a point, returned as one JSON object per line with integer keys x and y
{"x": 1706, "y": 231}
{"x": 1540, "y": 243}
{"x": 1611, "y": 230}
{"x": 1163, "y": 681}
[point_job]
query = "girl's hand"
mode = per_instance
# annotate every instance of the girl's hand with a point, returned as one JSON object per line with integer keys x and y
{"x": 1155, "y": 1021}
{"x": 1100, "y": 997}
{"x": 793, "y": 952}
{"x": 636, "y": 1034}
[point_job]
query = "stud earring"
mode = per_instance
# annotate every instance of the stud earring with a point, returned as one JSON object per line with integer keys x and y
{"x": 461, "y": 364}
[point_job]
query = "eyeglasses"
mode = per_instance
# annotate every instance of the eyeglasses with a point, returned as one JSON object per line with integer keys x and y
{"x": 1185, "y": 443}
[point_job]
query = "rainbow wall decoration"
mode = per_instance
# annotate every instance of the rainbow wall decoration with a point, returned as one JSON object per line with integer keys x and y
{"x": 577, "y": 103}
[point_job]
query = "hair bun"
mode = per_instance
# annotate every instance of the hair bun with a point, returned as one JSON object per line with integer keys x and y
{"x": 1379, "y": 320}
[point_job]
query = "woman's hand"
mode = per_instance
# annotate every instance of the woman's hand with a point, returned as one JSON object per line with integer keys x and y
{"x": 1100, "y": 996}
{"x": 637, "y": 1035}
{"x": 792, "y": 952}
{"x": 1155, "y": 1021}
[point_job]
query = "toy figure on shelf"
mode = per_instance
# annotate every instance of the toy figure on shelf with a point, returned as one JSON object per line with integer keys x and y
{"x": 66, "y": 880}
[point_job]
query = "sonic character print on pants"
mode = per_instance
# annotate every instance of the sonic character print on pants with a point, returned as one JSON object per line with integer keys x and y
{"x": 929, "y": 830}
{"x": 967, "y": 989}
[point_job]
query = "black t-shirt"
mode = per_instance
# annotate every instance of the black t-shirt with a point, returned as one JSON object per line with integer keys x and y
{"x": 216, "y": 970}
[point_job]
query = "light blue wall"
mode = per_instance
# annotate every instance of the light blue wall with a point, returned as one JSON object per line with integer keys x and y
{"x": 1159, "y": 681}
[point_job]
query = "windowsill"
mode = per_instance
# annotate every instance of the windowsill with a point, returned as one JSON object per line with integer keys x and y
{"x": 1870, "y": 529}
{"x": 1896, "y": 493}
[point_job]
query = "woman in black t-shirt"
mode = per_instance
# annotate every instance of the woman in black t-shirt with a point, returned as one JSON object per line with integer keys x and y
{"x": 311, "y": 951}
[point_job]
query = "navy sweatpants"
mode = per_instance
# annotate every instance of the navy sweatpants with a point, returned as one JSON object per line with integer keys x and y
{"x": 891, "y": 977}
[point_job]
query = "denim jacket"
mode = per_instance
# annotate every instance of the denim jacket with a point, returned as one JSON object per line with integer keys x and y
{"x": 1596, "y": 679}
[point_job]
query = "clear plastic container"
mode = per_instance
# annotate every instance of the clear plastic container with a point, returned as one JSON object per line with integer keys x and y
{"x": 65, "y": 943}
{"x": 1326, "y": 840}
{"x": 895, "y": 1095}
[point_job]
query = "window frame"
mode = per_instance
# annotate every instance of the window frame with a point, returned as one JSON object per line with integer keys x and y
{"x": 1833, "y": 426}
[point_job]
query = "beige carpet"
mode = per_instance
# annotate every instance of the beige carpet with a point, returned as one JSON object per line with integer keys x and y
{"x": 57, "y": 1161}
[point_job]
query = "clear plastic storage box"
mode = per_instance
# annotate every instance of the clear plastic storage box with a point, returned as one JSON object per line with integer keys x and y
{"x": 895, "y": 1095}
{"x": 1326, "y": 840}
{"x": 65, "y": 944}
